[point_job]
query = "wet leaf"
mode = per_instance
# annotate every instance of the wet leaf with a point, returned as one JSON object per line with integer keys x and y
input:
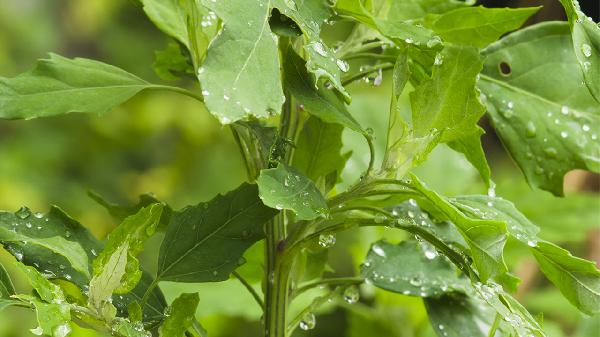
{"x": 181, "y": 316}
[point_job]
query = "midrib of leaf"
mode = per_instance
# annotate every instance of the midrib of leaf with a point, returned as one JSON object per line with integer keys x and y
{"x": 254, "y": 47}
{"x": 571, "y": 275}
{"x": 528, "y": 93}
{"x": 211, "y": 234}
{"x": 89, "y": 88}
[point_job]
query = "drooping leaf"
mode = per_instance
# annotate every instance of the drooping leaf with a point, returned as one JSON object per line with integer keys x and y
{"x": 318, "y": 149}
{"x": 285, "y": 187}
{"x": 586, "y": 44}
{"x": 181, "y": 316}
{"x": 47, "y": 290}
{"x": 577, "y": 279}
{"x": 169, "y": 16}
{"x": 205, "y": 242}
{"x": 242, "y": 55}
{"x": 478, "y": 26}
{"x": 321, "y": 60}
{"x": 548, "y": 129}
{"x": 59, "y": 85}
{"x": 6, "y": 286}
{"x": 116, "y": 269}
{"x": 457, "y": 316}
{"x": 409, "y": 269}
{"x": 318, "y": 102}
{"x": 470, "y": 147}
{"x": 449, "y": 102}
{"x": 486, "y": 238}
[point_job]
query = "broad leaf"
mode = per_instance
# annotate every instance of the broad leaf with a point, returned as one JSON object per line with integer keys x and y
{"x": 6, "y": 286}
{"x": 457, "y": 316}
{"x": 548, "y": 129}
{"x": 486, "y": 238}
{"x": 409, "y": 269}
{"x": 318, "y": 102}
{"x": 206, "y": 242}
{"x": 318, "y": 149}
{"x": 577, "y": 279}
{"x": 117, "y": 270}
{"x": 180, "y": 317}
{"x": 449, "y": 102}
{"x": 470, "y": 147}
{"x": 47, "y": 291}
{"x": 321, "y": 60}
{"x": 242, "y": 55}
{"x": 59, "y": 85}
{"x": 478, "y": 26}
{"x": 286, "y": 188}
{"x": 416, "y": 9}
{"x": 586, "y": 44}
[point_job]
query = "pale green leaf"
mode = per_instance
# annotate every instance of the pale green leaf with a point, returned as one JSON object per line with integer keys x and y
{"x": 47, "y": 290}
{"x": 59, "y": 85}
{"x": 285, "y": 187}
{"x": 181, "y": 316}
{"x": 478, "y": 26}
{"x": 242, "y": 55}
{"x": 205, "y": 242}
{"x": 548, "y": 129}
{"x": 6, "y": 286}
{"x": 411, "y": 269}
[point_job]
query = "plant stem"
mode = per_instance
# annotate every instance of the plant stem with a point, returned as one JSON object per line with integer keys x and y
{"x": 330, "y": 282}
{"x": 250, "y": 289}
{"x": 494, "y": 326}
{"x": 276, "y": 279}
{"x": 179, "y": 91}
{"x": 361, "y": 74}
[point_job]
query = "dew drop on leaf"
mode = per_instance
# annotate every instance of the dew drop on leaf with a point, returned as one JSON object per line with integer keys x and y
{"x": 530, "y": 130}
{"x": 378, "y": 250}
{"x": 308, "y": 322}
{"x": 327, "y": 240}
{"x": 351, "y": 294}
{"x": 23, "y": 213}
{"x": 586, "y": 50}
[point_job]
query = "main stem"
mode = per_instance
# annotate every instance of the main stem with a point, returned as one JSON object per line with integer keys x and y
{"x": 276, "y": 279}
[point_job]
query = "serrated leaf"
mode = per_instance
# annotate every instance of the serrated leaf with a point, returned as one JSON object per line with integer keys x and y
{"x": 242, "y": 55}
{"x": 59, "y": 85}
{"x": 318, "y": 102}
{"x": 318, "y": 149}
{"x": 486, "y": 238}
{"x": 449, "y": 102}
{"x": 285, "y": 187}
{"x": 457, "y": 316}
{"x": 478, "y": 26}
{"x": 577, "y": 279}
{"x": 205, "y": 242}
{"x": 586, "y": 44}
{"x": 321, "y": 59}
{"x": 181, "y": 316}
{"x": 548, "y": 129}
{"x": 116, "y": 269}
{"x": 407, "y": 269}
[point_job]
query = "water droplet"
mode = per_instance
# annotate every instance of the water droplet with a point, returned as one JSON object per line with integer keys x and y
{"x": 37, "y": 331}
{"x": 327, "y": 240}
{"x": 434, "y": 42}
{"x": 492, "y": 190}
{"x": 319, "y": 48}
{"x": 531, "y": 130}
{"x": 409, "y": 40}
{"x": 586, "y": 49}
{"x": 308, "y": 321}
{"x": 430, "y": 254}
{"x": 532, "y": 243}
{"x": 378, "y": 250}
{"x": 585, "y": 127}
{"x": 225, "y": 97}
{"x": 205, "y": 93}
{"x": 415, "y": 281}
{"x": 510, "y": 105}
{"x": 378, "y": 79}
{"x": 291, "y": 4}
{"x": 28, "y": 225}
{"x": 564, "y": 110}
{"x": 439, "y": 59}
{"x": 351, "y": 294}
{"x": 551, "y": 152}
{"x": 564, "y": 134}
{"x": 23, "y": 213}
{"x": 379, "y": 218}
{"x": 343, "y": 65}
{"x": 441, "y": 327}
{"x": 411, "y": 214}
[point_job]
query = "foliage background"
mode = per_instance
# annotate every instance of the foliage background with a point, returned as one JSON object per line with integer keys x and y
{"x": 167, "y": 144}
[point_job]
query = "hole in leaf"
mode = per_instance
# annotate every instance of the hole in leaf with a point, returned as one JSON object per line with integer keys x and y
{"x": 504, "y": 68}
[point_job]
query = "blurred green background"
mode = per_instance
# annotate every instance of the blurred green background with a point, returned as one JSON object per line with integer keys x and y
{"x": 169, "y": 145}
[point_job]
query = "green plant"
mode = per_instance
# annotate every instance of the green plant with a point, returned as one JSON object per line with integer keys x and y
{"x": 265, "y": 72}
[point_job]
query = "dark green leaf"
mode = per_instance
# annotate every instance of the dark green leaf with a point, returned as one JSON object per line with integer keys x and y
{"x": 478, "y": 26}
{"x": 285, "y": 187}
{"x": 206, "y": 242}
{"x": 454, "y": 316}
{"x": 470, "y": 146}
{"x": 322, "y": 102}
{"x": 410, "y": 269}
{"x": 60, "y": 85}
{"x": 242, "y": 55}
{"x": 548, "y": 129}
{"x": 6, "y": 286}
{"x": 170, "y": 64}
{"x": 181, "y": 316}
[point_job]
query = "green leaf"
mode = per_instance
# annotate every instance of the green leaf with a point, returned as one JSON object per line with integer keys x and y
{"x": 242, "y": 55}
{"x": 206, "y": 242}
{"x": 449, "y": 102}
{"x": 415, "y": 9}
{"x": 318, "y": 149}
{"x": 454, "y": 316}
{"x": 318, "y": 102}
{"x": 125, "y": 328}
{"x": 548, "y": 129}
{"x": 47, "y": 290}
{"x": 409, "y": 269}
{"x": 170, "y": 64}
{"x": 169, "y": 16}
{"x": 116, "y": 269}
{"x": 6, "y": 286}
{"x": 577, "y": 279}
{"x": 586, "y": 44}
{"x": 181, "y": 316}
{"x": 59, "y": 85}
{"x": 486, "y": 238}
{"x": 285, "y": 187}
{"x": 478, "y": 26}
{"x": 321, "y": 60}
{"x": 470, "y": 146}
